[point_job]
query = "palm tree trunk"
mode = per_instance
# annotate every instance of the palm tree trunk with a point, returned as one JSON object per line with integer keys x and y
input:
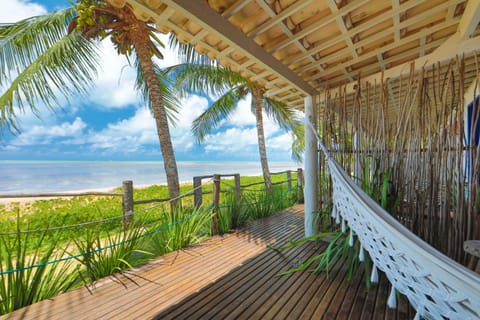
{"x": 140, "y": 42}
{"x": 257, "y": 100}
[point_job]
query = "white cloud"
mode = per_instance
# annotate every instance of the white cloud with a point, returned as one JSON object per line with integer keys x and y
{"x": 42, "y": 134}
{"x": 192, "y": 107}
{"x": 242, "y": 115}
{"x": 15, "y": 10}
{"x": 232, "y": 140}
{"x": 170, "y": 57}
{"x": 127, "y": 135}
{"x": 115, "y": 83}
{"x": 280, "y": 142}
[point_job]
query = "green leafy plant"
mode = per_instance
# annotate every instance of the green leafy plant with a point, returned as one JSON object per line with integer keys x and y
{"x": 262, "y": 204}
{"x": 103, "y": 256}
{"x": 178, "y": 230}
{"x": 233, "y": 213}
{"x": 27, "y": 277}
{"x": 338, "y": 249}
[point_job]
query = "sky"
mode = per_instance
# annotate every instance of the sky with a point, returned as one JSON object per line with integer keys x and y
{"x": 113, "y": 123}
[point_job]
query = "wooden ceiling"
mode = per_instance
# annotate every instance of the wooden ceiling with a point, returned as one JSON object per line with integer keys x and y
{"x": 299, "y": 47}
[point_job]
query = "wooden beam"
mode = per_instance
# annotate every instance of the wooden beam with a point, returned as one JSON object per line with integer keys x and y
{"x": 470, "y": 19}
{"x": 382, "y": 64}
{"x": 379, "y": 35}
{"x": 392, "y": 45}
{"x": 455, "y": 46}
{"x": 282, "y": 25}
{"x": 341, "y": 25}
{"x": 234, "y": 8}
{"x": 319, "y": 24}
{"x": 278, "y": 18}
{"x": 365, "y": 26}
{"x": 202, "y": 14}
{"x": 396, "y": 19}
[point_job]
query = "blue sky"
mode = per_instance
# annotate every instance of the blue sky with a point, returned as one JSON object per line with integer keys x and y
{"x": 112, "y": 123}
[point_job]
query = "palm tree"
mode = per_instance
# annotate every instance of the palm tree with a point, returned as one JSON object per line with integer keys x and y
{"x": 55, "y": 54}
{"x": 231, "y": 87}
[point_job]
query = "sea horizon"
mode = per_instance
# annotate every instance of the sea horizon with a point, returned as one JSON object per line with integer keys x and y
{"x": 48, "y": 176}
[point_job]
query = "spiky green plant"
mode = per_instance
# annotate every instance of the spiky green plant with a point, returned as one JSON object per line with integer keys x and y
{"x": 27, "y": 277}
{"x": 262, "y": 203}
{"x": 338, "y": 249}
{"x": 178, "y": 230}
{"x": 102, "y": 256}
{"x": 233, "y": 213}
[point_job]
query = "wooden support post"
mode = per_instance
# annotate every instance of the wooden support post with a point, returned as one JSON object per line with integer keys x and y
{"x": 311, "y": 168}
{"x": 216, "y": 202}
{"x": 289, "y": 181}
{"x": 238, "y": 193}
{"x": 299, "y": 185}
{"x": 197, "y": 191}
{"x": 238, "y": 198}
{"x": 127, "y": 202}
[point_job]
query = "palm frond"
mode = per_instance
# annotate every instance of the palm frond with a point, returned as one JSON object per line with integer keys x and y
{"x": 219, "y": 110}
{"x": 284, "y": 115}
{"x": 204, "y": 78}
{"x": 298, "y": 143}
{"x": 68, "y": 66}
{"x": 21, "y": 43}
{"x": 170, "y": 100}
{"x": 187, "y": 53}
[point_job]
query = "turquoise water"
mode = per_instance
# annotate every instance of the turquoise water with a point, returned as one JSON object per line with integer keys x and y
{"x": 60, "y": 176}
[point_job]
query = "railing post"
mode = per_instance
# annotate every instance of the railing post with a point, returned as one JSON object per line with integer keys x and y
{"x": 300, "y": 185}
{"x": 127, "y": 202}
{"x": 238, "y": 196}
{"x": 289, "y": 181}
{"x": 197, "y": 191}
{"x": 238, "y": 193}
{"x": 216, "y": 202}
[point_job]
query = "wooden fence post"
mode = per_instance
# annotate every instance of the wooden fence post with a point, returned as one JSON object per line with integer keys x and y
{"x": 216, "y": 202}
{"x": 238, "y": 198}
{"x": 289, "y": 181}
{"x": 127, "y": 202}
{"x": 238, "y": 192}
{"x": 197, "y": 191}
{"x": 300, "y": 185}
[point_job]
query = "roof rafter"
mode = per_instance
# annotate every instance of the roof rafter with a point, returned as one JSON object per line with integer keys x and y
{"x": 455, "y": 46}
{"x": 393, "y": 45}
{"x": 211, "y": 20}
{"x": 470, "y": 19}
{"x": 319, "y": 24}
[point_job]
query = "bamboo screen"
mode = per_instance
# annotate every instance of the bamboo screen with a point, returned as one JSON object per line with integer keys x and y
{"x": 407, "y": 144}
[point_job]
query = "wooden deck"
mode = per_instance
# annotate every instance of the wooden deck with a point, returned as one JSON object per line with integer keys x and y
{"x": 228, "y": 277}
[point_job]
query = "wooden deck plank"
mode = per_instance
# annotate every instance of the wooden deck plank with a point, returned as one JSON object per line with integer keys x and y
{"x": 317, "y": 293}
{"x": 357, "y": 284}
{"x": 229, "y": 277}
{"x": 287, "y": 292}
{"x": 369, "y": 302}
{"x": 243, "y": 287}
{"x": 260, "y": 293}
{"x": 219, "y": 287}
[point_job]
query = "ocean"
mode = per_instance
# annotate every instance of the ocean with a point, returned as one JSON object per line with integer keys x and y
{"x": 17, "y": 177}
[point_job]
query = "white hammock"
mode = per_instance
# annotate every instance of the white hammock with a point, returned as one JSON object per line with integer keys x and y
{"x": 436, "y": 286}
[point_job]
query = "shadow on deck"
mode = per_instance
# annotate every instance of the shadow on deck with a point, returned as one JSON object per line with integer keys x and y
{"x": 229, "y": 277}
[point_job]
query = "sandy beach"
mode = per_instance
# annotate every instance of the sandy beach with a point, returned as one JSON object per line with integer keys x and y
{"x": 24, "y": 198}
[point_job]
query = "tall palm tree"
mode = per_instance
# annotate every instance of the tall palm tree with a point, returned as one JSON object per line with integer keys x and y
{"x": 231, "y": 87}
{"x": 55, "y": 54}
